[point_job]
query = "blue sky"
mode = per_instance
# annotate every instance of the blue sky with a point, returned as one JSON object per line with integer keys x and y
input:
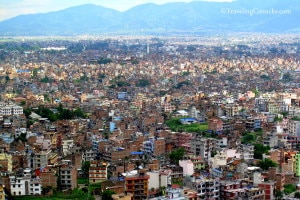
{"x": 12, "y": 8}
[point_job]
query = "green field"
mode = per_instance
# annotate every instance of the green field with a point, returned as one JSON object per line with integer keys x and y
{"x": 175, "y": 125}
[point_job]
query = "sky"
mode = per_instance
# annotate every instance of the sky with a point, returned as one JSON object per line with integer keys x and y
{"x": 12, "y": 8}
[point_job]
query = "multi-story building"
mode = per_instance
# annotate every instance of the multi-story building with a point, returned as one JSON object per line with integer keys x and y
{"x": 8, "y": 109}
{"x": 199, "y": 163}
{"x": 158, "y": 179}
{"x": 294, "y": 128}
{"x": 97, "y": 171}
{"x": 68, "y": 176}
{"x": 247, "y": 151}
{"x": 253, "y": 124}
{"x": 271, "y": 140}
{"x": 268, "y": 188}
{"x": 215, "y": 124}
{"x": 137, "y": 184}
{"x": 187, "y": 166}
{"x": 25, "y": 184}
{"x": 38, "y": 159}
{"x": 202, "y": 146}
{"x": 48, "y": 177}
{"x": 154, "y": 146}
{"x": 235, "y": 190}
{"x": 88, "y": 155}
{"x": 206, "y": 187}
{"x": 6, "y": 162}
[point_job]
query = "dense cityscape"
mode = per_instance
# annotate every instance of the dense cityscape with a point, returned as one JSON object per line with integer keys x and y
{"x": 213, "y": 117}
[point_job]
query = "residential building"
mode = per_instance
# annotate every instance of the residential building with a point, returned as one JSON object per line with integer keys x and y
{"x": 68, "y": 176}
{"x": 206, "y": 187}
{"x": 268, "y": 187}
{"x": 25, "y": 184}
{"x": 203, "y": 147}
{"x": 48, "y": 177}
{"x": 97, "y": 171}
{"x": 137, "y": 184}
{"x": 294, "y": 128}
{"x": 187, "y": 166}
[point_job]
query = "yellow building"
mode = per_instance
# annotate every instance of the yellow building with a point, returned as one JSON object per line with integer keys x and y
{"x": 2, "y": 192}
{"x": 5, "y": 162}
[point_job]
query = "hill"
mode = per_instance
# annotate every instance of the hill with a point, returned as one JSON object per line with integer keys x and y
{"x": 268, "y": 16}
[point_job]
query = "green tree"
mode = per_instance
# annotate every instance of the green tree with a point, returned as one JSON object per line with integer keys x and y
{"x": 27, "y": 112}
{"x": 106, "y": 195}
{"x": 259, "y": 150}
{"x": 143, "y": 82}
{"x": 248, "y": 138}
{"x": 104, "y": 61}
{"x": 278, "y": 194}
{"x": 85, "y": 168}
{"x": 176, "y": 155}
{"x": 289, "y": 188}
{"x": 266, "y": 163}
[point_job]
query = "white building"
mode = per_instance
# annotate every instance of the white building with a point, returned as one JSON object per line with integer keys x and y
{"x": 187, "y": 166}
{"x": 8, "y": 109}
{"x": 158, "y": 179}
{"x": 25, "y": 185}
{"x": 294, "y": 127}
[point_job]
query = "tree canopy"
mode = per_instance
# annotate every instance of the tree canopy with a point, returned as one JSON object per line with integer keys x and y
{"x": 259, "y": 150}
{"x": 176, "y": 155}
{"x": 266, "y": 163}
{"x": 106, "y": 195}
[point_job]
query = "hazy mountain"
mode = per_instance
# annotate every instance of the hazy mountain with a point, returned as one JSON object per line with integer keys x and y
{"x": 197, "y": 16}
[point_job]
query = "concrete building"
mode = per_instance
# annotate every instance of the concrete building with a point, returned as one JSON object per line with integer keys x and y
{"x": 137, "y": 183}
{"x": 97, "y": 171}
{"x": 6, "y": 162}
{"x": 38, "y": 159}
{"x": 154, "y": 146}
{"x": 187, "y": 166}
{"x": 48, "y": 177}
{"x": 207, "y": 188}
{"x": 158, "y": 179}
{"x": 68, "y": 176}
{"x": 25, "y": 184}
{"x": 202, "y": 146}
{"x": 294, "y": 128}
{"x": 268, "y": 188}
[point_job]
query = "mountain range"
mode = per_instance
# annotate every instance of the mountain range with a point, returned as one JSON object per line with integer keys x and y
{"x": 267, "y": 16}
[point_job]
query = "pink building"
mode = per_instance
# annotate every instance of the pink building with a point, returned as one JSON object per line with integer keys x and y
{"x": 187, "y": 166}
